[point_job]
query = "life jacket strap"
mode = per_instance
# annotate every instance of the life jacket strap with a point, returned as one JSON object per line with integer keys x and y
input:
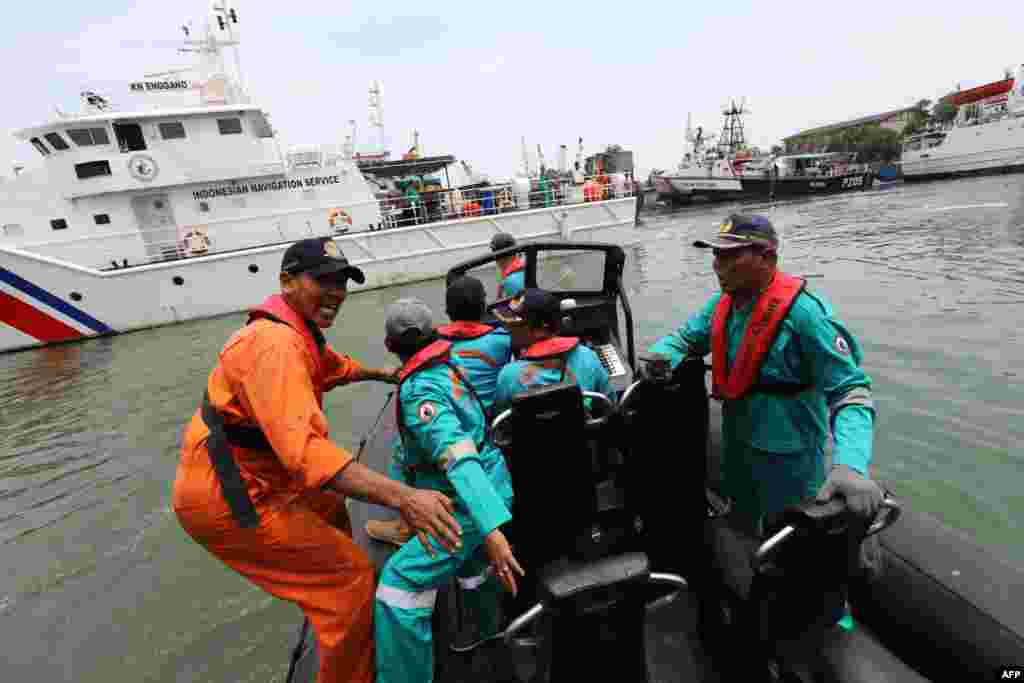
{"x": 224, "y": 464}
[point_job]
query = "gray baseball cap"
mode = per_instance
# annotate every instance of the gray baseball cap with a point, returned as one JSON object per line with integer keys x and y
{"x": 408, "y": 314}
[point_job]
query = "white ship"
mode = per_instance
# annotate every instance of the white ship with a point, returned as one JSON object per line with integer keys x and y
{"x": 987, "y": 135}
{"x": 182, "y": 208}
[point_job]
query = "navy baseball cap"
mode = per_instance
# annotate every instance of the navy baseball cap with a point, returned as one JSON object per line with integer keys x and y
{"x": 742, "y": 230}
{"x": 319, "y": 256}
{"x": 533, "y": 306}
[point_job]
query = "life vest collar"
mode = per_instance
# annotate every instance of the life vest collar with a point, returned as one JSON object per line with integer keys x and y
{"x": 770, "y": 310}
{"x": 276, "y": 308}
{"x": 550, "y": 348}
{"x": 464, "y": 329}
{"x": 428, "y": 355}
{"x": 514, "y": 266}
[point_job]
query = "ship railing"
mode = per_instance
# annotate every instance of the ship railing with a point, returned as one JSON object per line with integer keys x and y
{"x": 399, "y": 210}
{"x": 118, "y": 250}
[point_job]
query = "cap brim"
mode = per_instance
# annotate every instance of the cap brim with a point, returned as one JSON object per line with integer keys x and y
{"x": 721, "y": 244}
{"x": 502, "y": 310}
{"x": 350, "y": 271}
{"x": 725, "y": 243}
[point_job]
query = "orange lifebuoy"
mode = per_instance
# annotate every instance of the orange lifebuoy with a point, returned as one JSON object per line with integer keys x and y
{"x": 336, "y": 216}
{"x": 195, "y": 242}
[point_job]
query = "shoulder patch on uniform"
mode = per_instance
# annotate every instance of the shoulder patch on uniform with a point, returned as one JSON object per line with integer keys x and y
{"x": 426, "y": 411}
{"x": 841, "y": 345}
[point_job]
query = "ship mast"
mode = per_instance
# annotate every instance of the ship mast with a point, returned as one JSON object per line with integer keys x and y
{"x": 732, "y": 138}
{"x": 377, "y": 117}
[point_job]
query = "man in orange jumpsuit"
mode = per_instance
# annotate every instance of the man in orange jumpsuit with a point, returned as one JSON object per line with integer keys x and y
{"x": 261, "y": 486}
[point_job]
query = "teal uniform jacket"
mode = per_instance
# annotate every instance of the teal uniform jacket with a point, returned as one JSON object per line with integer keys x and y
{"x": 582, "y": 367}
{"x": 480, "y": 359}
{"x": 443, "y": 447}
{"x": 512, "y": 284}
{"x": 444, "y": 450}
{"x": 774, "y": 446}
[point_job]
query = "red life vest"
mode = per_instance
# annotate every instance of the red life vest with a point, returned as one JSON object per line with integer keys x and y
{"x": 429, "y": 355}
{"x": 771, "y": 309}
{"x": 425, "y": 357}
{"x": 550, "y": 348}
{"x": 463, "y": 329}
{"x": 513, "y": 266}
{"x": 277, "y": 309}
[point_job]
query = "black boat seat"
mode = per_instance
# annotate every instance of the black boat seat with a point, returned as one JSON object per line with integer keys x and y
{"x": 562, "y": 582}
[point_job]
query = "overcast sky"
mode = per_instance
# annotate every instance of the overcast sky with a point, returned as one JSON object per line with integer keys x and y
{"x": 475, "y": 77}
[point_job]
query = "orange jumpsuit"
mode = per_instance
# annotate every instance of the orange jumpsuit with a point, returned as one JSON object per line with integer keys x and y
{"x": 272, "y": 376}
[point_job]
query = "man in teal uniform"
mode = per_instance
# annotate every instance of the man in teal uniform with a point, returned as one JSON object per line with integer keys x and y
{"x": 479, "y": 351}
{"x": 445, "y": 448}
{"x": 544, "y": 357}
{"x": 511, "y": 269}
{"x": 788, "y": 373}
{"x": 809, "y": 382}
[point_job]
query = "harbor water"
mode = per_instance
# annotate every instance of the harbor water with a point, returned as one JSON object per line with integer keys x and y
{"x": 99, "y": 583}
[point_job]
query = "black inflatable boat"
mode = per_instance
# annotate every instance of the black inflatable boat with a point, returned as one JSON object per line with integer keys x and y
{"x": 636, "y": 575}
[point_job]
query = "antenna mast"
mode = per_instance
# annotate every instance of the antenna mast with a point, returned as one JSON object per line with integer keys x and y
{"x": 377, "y": 115}
{"x": 732, "y": 139}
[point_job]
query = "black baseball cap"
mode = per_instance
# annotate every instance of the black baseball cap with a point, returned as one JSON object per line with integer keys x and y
{"x": 742, "y": 230}
{"x": 533, "y": 306}
{"x": 465, "y": 298}
{"x": 319, "y": 256}
{"x": 502, "y": 240}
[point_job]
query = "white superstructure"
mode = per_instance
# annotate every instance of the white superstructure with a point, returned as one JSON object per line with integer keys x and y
{"x": 181, "y": 208}
{"x": 986, "y": 136}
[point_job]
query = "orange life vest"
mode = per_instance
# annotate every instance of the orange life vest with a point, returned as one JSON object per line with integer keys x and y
{"x": 771, "y": 309}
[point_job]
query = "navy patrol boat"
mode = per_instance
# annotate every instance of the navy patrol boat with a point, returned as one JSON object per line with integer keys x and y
{"x": 627, "y": 579}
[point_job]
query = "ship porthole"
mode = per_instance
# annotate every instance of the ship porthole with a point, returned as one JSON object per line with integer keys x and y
{"x": 178, "y": 280}
{"x": 75, "y": 296}
{"x": 253, "y": 268}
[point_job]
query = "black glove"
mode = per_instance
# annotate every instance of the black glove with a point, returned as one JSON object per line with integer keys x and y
{"x": 862, "y": 495}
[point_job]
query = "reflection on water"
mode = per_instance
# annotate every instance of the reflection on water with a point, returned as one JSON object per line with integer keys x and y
{"x": 98, "y": 576}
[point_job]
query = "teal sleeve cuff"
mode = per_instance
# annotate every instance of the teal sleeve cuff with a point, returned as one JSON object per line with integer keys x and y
{"x": 485, "y": 506}
{"x": 852, "y": 436}
{"x": 672, "y": 346}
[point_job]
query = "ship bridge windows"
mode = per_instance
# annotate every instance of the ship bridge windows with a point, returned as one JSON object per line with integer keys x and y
{"x": 232, "y": 126}
{"x": 129, "y": 137}
{"x": 59, "y": 224}
{"x": 85, "y": 137}
{"x": 92, "y": 169}
{"x": 57, "y": 141}
{"x": 261, "y": 126}
{"x": 912, "y": 146}
{"x": 40, "y": 147}
{"x": 172, "y": 130}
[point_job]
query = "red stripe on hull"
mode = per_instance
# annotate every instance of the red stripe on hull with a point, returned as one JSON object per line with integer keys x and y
{"x": 34, "y": 322}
